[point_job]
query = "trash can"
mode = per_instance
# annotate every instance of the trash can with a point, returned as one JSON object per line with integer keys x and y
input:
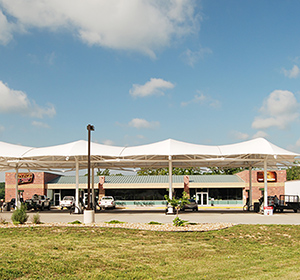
{"x": 268, "y": 210}
{"x": 256, "y": 207}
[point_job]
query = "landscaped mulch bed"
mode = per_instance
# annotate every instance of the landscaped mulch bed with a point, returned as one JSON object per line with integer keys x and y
{"x": 138, "y": 226}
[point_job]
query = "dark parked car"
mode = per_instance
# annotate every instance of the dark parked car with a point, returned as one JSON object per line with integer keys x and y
{"x": 191, "y": 205}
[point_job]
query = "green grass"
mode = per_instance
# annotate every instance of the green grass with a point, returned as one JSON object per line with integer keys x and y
{"x": 240, "y": 252}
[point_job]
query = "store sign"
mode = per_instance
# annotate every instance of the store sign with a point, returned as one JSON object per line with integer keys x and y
{"x": 271, "y": 176}
{"x": 25, "y": 178}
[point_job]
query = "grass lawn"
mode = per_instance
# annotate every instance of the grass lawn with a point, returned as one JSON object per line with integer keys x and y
{"x": 239, "y": 252}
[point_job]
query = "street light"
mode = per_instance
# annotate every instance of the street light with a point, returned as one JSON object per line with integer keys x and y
{"x": 89, "y": 128}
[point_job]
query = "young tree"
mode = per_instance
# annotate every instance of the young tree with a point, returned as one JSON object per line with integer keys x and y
{"x": 293, "y": 173}
{"x": 178, "y": 203}
{"x": 2, "y": 190}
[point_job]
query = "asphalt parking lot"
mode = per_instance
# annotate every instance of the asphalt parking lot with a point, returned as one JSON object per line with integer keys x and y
{"x": 146, "y": 216}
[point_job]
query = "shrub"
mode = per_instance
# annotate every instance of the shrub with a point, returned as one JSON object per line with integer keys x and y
{"x": 36, "y": 219}
{"x": 177, "y": 222}
{"x": 75, "y": 222}
{"x": 154, "y": 223}
{"x": 114, "y": 222}
{"x": 3, "y": 221}
{"x": 19, "y": 216}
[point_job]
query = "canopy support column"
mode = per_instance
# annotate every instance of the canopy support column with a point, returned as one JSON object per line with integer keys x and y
{"x": 170, "y": 208}
{"x": 265, "y": 187}
{"x": 17, "y": 188}
{"x": 170, "y": 178}
{"x": 77, "y": 186}
{"x": 250, "y": 185}
{"x": 93, "y": 189}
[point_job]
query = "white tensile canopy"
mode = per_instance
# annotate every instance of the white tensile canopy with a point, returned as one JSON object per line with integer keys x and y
{"x": 168, "y": 153}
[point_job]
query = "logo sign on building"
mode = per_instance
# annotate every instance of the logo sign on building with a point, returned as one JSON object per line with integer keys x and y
{"x": 25, "y": 178}
{"x": 271, "y": 176}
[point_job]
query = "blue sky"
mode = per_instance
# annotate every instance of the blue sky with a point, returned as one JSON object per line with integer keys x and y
{"x": 206, "y": 72}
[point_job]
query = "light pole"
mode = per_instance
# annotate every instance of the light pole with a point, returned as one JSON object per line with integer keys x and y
{"x": 89, "y": 128}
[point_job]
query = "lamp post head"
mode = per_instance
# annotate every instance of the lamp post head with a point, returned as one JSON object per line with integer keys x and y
{"x": 90, "y": 127}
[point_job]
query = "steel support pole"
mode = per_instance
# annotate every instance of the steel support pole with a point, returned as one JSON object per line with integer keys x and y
{"x": 17, "y": 187}
{"x": 250, "y": 185}
{"x": 77, "y": 185}
{"x": 170, "y": 208}
{"x": 265, "y": 186}
{"x": 170, "y": 178}
{"x": 93, "y": 190}
{"x": 89, "y": 128}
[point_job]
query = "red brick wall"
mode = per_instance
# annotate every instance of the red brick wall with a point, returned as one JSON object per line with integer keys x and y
{"x": 273, "y": 187}
{"x": 38, "y": 186}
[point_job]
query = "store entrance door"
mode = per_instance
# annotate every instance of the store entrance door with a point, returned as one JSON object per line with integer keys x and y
{"x": 202, "y": 198}
{"x": 56, "y": 199}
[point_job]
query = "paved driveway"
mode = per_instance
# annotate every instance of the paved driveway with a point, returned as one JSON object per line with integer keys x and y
{"x": 145, "y": 216}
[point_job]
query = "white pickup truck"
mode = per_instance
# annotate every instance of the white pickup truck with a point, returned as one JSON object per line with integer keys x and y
{"x": 107, "y": 202}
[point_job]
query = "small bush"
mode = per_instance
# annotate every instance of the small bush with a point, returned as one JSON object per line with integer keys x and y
{"x": 3, "y": 221}
{"x": 19, "y": 216}
{"x": 36, "y": 219}
{"x": 177, "y": 222}
{"x": 154, "y": 223}
{"x": 114, "y": 222}
{"x": 75, "y": 222}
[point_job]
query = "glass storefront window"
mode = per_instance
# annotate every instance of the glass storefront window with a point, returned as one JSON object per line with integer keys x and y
{"x": 226, "y": 194}
{"x": 137, "y": 194}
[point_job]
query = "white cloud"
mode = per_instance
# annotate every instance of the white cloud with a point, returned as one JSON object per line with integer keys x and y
{"x": 240, "y": 135}
{"x": 278, "y": 110}
{"x": 192, "y": 57}
{"x": 153, "y": 87}
{"x": 259, "y": 134}
{"x": 298, "y": 143}
{"x": 40, "y": 124}
{"x": 108, "y": 142}
{"x": 293, "y": 73}
{"x": 200, "y": 98}
{"x": 14, "y": 101}
{"x": 6, "y": 30}
{"x": 50, "y": 58}
{"x": 141, "y": 123}
{"x": 143, "y": 26}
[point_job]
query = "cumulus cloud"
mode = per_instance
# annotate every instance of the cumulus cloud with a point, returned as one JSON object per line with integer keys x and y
{"x": 192, "y": 57}
{"x": 153, "y": 87}
{"x": 108, "y": 142}
{"x": 278, "y": 110}
{"x": 240, "y": 135}
{"x": 40, "y": 124}
{"x": 293, "y": 73}
{"x": 141, "y": 123}
{"x": 259, "y": 134}
{"x": 200, "y": 98}
{"x": 143, "y": 26}
{"x": 15, "y": 101}
{"x": 6, "y": 29}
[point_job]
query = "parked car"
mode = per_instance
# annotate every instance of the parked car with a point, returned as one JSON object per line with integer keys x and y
{"x": 191, "y": 205}
{"x": 40, "y": 202}
{"x": 68, "y": 202}
{"x": 107, "y": 202}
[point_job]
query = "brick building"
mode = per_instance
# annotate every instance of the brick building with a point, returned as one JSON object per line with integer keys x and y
{"x": 37, "y": 185}
{"x": 276, "y": 182}
{"x": 224, "y": 189}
